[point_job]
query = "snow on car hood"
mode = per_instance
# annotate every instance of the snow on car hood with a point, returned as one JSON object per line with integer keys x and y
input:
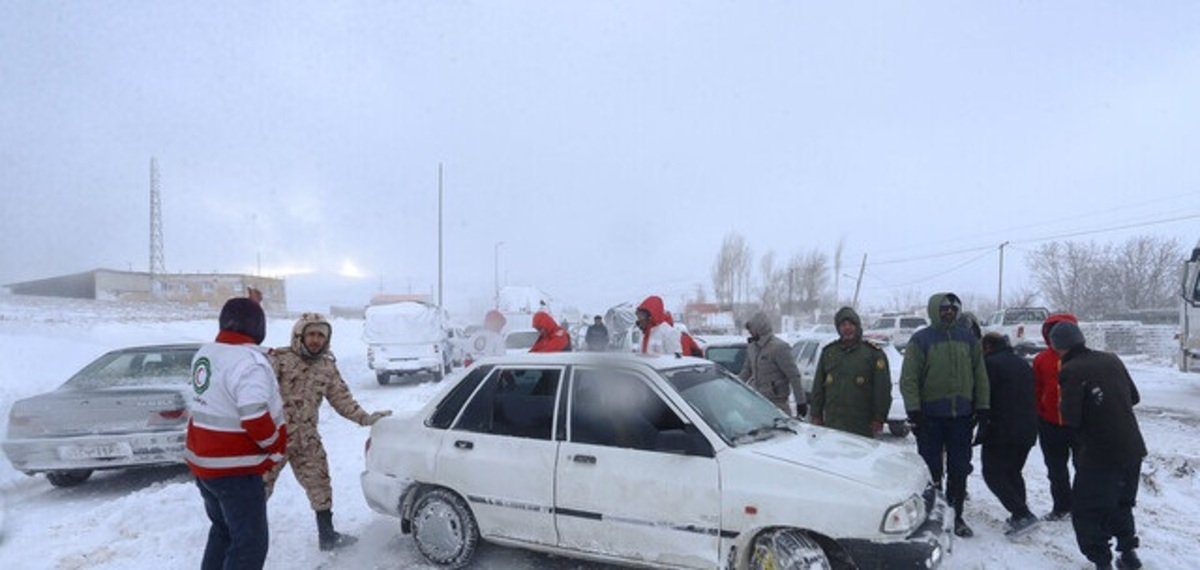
{"x": 846, "y": 455}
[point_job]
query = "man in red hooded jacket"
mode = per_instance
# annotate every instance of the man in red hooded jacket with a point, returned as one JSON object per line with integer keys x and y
{"x": 551, "y": 336}
{"x": 1057, "y": 440}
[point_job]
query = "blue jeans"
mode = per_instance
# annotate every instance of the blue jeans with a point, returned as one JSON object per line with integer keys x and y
{"x": 238, "y": 537}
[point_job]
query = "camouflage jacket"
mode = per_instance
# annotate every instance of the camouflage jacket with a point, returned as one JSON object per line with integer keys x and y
{"x": 305, "y": 379}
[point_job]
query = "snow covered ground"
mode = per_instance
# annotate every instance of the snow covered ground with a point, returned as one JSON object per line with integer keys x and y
{"x": 153, "y": 519}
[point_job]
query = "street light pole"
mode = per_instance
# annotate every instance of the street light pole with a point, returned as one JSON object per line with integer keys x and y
{"x": 1000, "y": 281}
{"x": 496, "y": 275}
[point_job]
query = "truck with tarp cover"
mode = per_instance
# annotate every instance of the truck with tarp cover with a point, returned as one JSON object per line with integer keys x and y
{"x": 407, "y": 338}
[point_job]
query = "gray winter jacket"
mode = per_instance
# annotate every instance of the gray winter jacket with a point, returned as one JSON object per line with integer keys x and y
{"x": 770, "y": 367}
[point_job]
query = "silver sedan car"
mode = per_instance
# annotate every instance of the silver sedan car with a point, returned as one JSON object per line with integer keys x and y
{"x": 127, "y": 408}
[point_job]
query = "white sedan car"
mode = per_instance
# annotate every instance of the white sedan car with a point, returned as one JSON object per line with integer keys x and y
{"x": 659, "y": 462}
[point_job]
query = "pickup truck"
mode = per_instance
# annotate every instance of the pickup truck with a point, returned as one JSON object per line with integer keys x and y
{"x": 895, "y": 328}
{"x": 1022, "y": 326}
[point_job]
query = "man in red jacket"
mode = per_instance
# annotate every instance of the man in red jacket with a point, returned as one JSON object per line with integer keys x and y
{"x": 236, "y": 433}
{"x": 551, "y": 336}
{"x": 1057, "y": 440}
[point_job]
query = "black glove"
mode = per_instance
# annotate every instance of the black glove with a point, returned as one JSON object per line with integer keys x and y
{"x": 916, "y": 420}
{"x": 801, "y": 410}
{"x": 983, "y": 424}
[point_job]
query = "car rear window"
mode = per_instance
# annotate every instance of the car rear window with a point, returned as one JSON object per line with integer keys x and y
{"x": 136, "y": 368}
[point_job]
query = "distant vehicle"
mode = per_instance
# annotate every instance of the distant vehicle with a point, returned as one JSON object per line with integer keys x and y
{"x": 808, "y": 350}
{"x": 895, "y": 329}
{"x": 520, "y": 341}
{"x": 1022, "y": 326}
{"x": 727, "y": 350}
{"x": 1189, "y": 314}
{"x": 658, "y": 462}
{"x": 127, "y": 408}
{"x": 407, "y": 338}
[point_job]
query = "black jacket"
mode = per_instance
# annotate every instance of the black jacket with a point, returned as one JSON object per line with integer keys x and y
{"x": 596, "y": 336}
{"x": 1098, "y": 396}
{"x": 1014, "y": 408}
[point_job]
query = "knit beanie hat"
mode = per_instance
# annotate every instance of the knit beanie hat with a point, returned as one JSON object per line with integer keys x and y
{"x": 1066, "y": 335}
{"x": 243, "y": 315}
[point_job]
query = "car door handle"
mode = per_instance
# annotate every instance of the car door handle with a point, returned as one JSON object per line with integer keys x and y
{"x": 588, "y": 459}
{"x": 464, "y": 444}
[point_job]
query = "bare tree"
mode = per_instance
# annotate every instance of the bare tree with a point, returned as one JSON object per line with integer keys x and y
{"x": 1091, "y": 280}
{"x": 773, "y": 286}
{"x": 1071, "y": 276}
{"x": 1144, "y": 271}
{"x": 731, "y": 271}
{"x": 811, "y": 272}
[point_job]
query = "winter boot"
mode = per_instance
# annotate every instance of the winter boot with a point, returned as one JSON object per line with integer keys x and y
{"x": 1021, "y": 525}
{"x": 329, "y": 539}
{"x": 1129, "y": 560}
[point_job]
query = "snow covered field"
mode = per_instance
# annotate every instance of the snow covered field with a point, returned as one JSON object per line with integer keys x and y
{"x": 154, "y": 519}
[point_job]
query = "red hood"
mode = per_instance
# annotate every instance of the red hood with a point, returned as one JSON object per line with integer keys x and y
{"x": 654, "y": 305}
{"x": 1054, "y": 320}
{"x": 543, "y": 321}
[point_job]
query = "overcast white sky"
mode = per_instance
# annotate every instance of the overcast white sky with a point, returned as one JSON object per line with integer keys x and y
{"x": 610, "y": 146}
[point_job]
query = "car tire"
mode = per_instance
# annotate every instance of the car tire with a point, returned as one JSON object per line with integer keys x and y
{"x": 68, "y": 478}
{"x": 787, "y": 549}
{"x": 899, "y": 428}
{"x": 383, "y": 378}
{"x": 444, "y": 529}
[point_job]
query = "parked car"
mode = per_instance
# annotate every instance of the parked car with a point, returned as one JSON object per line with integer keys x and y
{"x": 808, "y": 350}
{"x": 727, "y": 350}
{"x": 895, "y": 329}
{"x": 127, "y": 408}
{"x": 1022, "y": 326}
{"x": 407, "y": 338}
{"x": 660, "y": 462}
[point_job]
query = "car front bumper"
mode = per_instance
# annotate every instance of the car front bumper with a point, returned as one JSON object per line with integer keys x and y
{"x": 926, "y": 547}
{"x": 38, "y": 455}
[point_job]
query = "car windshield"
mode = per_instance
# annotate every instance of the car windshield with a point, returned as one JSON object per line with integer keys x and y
{"x": 135, "y": 368}
{"x": 735, "y": 411}
{"x": 519, "y": 340}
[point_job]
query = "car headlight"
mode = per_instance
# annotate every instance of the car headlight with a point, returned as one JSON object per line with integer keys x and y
{"x": 904, "y": 517}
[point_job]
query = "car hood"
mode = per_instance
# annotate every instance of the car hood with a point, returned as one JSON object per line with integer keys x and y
{"x": 845, "y": 455}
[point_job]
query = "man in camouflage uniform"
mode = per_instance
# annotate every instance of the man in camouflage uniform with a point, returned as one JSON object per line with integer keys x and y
{"x": 308, "y": 373}
{"x": 852, "y": 386}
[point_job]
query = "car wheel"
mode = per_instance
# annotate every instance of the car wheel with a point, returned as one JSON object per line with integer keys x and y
{"x": 445, "y": 529}
{"x": 787, "y": 549}
{"x": 68, "y": 478}
{"x": 899, "y": 428}
{"x": 383, "y": 378}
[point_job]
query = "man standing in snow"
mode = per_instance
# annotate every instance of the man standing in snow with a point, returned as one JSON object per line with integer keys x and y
{"x": 770, "y": 367}
{"x": 1011, "y": 431}
{"x": 235, "y": 434}
{"x": 1098, "y": 396}
{"x": 308, "y": 374}
{"x": 597, "y": 336}
{"x": 945, "y": 388}
{"x": 658, "y": 336}
{"x": 1057, "y": 440}
{"x": 852, "y": 386}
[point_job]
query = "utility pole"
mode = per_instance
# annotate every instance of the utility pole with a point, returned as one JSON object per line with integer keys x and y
{"x": 858, "y": 282}
{"x": 157, "y": 266}
{"x": 439, "y": 286}
{"x": 496, "y": 274}
{"x": 1000, "y": 281}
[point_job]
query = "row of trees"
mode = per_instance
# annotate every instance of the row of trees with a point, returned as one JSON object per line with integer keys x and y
{"x": 1091, "y": 280}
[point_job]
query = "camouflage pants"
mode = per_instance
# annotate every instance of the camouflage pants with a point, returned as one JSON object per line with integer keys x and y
{"x": 310, "y": 465}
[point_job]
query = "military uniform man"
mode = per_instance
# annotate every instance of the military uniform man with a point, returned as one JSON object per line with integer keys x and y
{"x": 852, "y": 386}
{"x": 308, "y": 373}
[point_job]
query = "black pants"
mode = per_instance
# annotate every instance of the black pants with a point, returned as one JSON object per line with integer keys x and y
{"x": 951, "y": 437}
{"x": 237, "y": 508}
{"x": 1058, "y": 447}
{"x": 1002, "y": 465}
{"x": 1104, "y": 500}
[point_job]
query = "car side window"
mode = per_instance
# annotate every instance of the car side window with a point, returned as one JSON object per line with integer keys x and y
{"x": 516, "y": 402}
{"x": 619, "y": 409}
{"x": 449, "y": 407}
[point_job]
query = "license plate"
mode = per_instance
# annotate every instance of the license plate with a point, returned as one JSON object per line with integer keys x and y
{"x": 98, "y": 451}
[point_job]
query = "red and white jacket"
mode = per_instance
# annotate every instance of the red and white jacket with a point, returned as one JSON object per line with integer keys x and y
{"x": 237, "y": 425}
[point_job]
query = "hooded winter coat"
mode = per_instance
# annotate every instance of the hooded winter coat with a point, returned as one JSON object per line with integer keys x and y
{"x": 306, "y": 378}
{"x": 1045, "y": 373}
{"x": 552, "y": 338}
{"x": 943, "y": 373}
{"x": 1098, "y": 396}
{"x": 1010, "y": 379}
{"x": 852, "y": 385}
{"x": 660, "y": 337}
{"x": 770, "y": 366}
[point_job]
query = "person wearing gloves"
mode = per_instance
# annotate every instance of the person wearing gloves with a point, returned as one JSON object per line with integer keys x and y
{"x": 852, "y": 385}
{"x": 944, "y": 383}
{"x": 771, "y": 368}
{"x": 237, "y": 432}
{"x": 308, "y": 373}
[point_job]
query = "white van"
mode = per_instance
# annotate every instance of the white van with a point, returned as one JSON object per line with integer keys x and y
{"x": 410, "y": 337}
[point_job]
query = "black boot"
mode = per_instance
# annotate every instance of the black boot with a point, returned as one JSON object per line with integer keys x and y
{"x": 1129, "y": 560}
{"x": 329, "y": 539}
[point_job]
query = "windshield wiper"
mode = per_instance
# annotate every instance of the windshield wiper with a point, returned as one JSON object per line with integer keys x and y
{"x": 779, "y": 424}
